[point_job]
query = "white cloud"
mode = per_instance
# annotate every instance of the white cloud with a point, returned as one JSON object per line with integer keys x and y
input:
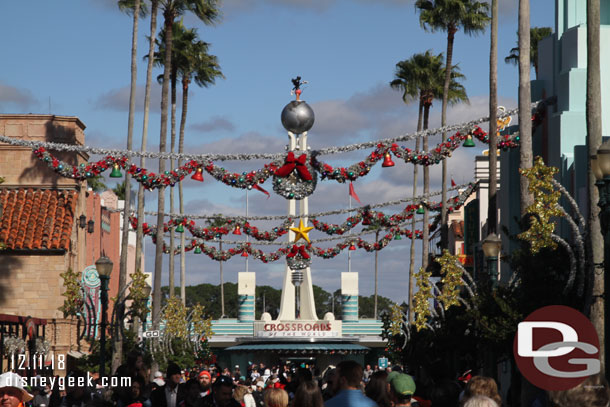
{"x": 216, "y": 123}
{"x": 118, "y": 99}
{"x": 17, "y": 97}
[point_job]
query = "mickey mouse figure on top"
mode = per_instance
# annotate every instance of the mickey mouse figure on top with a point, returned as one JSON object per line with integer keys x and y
{"x": 296, "y": 179}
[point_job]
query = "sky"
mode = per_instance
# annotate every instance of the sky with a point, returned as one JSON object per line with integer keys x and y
{"x": 72, "y": 58}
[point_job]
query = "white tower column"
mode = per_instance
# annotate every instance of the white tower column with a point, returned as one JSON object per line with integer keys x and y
{"x": 287, "y": 302}
{"x": 308, "y": 305}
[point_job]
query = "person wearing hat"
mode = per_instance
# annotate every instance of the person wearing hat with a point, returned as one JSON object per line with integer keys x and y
{"x": 222, "y": 394}
{"x": 171, "y": 394}
{"x": 205, "y": 380}
{"x": 257, "y": 393}
{"x": 158, "y": 380}
{"x": 12, "y": 393}
{"x": 402, "y": 388}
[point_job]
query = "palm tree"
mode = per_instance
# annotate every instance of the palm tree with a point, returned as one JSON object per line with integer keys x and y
{"x": 423, "y": 76}
{"x": 206, "y": 11}
{"x": 407, "y": 77}
{"x": 154, "y": 5}
{"x": 450, "y": 15}
{"x": 536, "y": 34}
{"x": 525, "y": 99}
{"x": 137, "y": 10}
{"x": 96, "y": 183}
{"x": 190, "y": 59}
{"x": 204, "y": 69}
{"x": 181, "y": 38}
{"x": 492, "y": 209}
{"x": 434, "y": 90}
{"x": 594, "y": 139}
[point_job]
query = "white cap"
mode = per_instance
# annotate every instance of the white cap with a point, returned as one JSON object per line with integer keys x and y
{"x": 10, "y": 379}
{"x": 158, "y": 374}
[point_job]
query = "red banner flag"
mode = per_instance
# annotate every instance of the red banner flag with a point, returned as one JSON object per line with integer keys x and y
{"x": 453, "y": 183}
{"x": 352, "y": 193}
{"x": 255, "y": 186}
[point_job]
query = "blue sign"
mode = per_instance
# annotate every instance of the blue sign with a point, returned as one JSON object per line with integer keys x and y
{"x": 382, "y": 363}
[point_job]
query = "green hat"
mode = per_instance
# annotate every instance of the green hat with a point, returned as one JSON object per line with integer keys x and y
{"x": 402, "y": 384}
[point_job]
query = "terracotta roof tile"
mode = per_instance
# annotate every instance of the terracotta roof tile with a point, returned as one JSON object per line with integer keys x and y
{"x": 37, "y": 218}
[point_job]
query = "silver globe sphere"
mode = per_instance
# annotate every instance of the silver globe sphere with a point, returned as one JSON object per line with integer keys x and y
{"x": 297, "y": 117}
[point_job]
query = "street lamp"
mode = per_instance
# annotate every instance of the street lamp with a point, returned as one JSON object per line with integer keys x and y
{"x": 146, "y": 291}
{"x": 103, "y": 265}
{"x": 491, "y": 249}
{"x": 297, "y": 280}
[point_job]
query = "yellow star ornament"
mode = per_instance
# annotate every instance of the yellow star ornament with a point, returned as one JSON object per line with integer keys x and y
{"x": 301, "y": 232}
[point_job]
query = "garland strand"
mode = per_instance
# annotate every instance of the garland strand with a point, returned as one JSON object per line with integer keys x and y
{"x": 420, "y": 199}
{"x": 252, "y": 179}
{"x": 452, "y": 279}
{"x": 545, "y": 206}
{"x": 539, "y": 107}
{"x": 421, "y": 299}
{"x": 246, "y": 249}
{"x": 237, "y": 225}
{"x": 249, "y": 180}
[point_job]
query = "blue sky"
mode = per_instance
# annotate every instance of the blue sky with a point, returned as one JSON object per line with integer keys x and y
{"x": 73, "y": 58}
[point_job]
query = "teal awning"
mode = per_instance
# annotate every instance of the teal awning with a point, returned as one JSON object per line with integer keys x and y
{"x": 301, "y": 348}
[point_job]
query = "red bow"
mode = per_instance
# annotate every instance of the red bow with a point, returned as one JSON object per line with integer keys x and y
{"x": 300, "y": 250}
{"x": 291, "y": 163}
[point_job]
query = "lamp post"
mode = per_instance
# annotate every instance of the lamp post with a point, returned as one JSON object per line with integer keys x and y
{"x": 491, "y": 249}
{"x": 297, "y": 280}
{"x": 600, "y": 166}
{"x": 103, "y": 266}
{"x": 147, "y": 290}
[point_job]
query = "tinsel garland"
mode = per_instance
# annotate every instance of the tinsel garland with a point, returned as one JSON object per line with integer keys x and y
{"x": 419, "y": 199}
{"x": 42, "y": 346}
{"x": 365, "y": 215}
{"x": 425, "y": 158}
{"x": 237, "y": 228}
{"x": 455, "y": 203}
{"x": 421, "y": 299}
{"x": 244, "y": 180}
{"x": 282, "y": 186}
{"x": 350, "y": 242}
{"x": 539, "y": 111}
{"x": 139, "y": 299}
{"x": 231, "y": 225}
{"x": 175, "y": 319}
{"x": 545, "y": 206}
{"x": 451, "y": 280}
{"x": 14, "y": 345}
{"x": 201, "y": 325}
{"x": 396, "y": 319}
{"x": 73, "y": 298}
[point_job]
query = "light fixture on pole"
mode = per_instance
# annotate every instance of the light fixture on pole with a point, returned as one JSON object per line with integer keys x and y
{"x": 82, "y": 221}
{"x": 103, "y": 265}
{"x": 297, "y": 280}
{"x": 146, "y": 291}
{"x": 491, "y": 249}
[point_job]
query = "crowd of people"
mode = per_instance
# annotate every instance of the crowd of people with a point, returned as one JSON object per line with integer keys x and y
{"x": 346, "y": 385}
